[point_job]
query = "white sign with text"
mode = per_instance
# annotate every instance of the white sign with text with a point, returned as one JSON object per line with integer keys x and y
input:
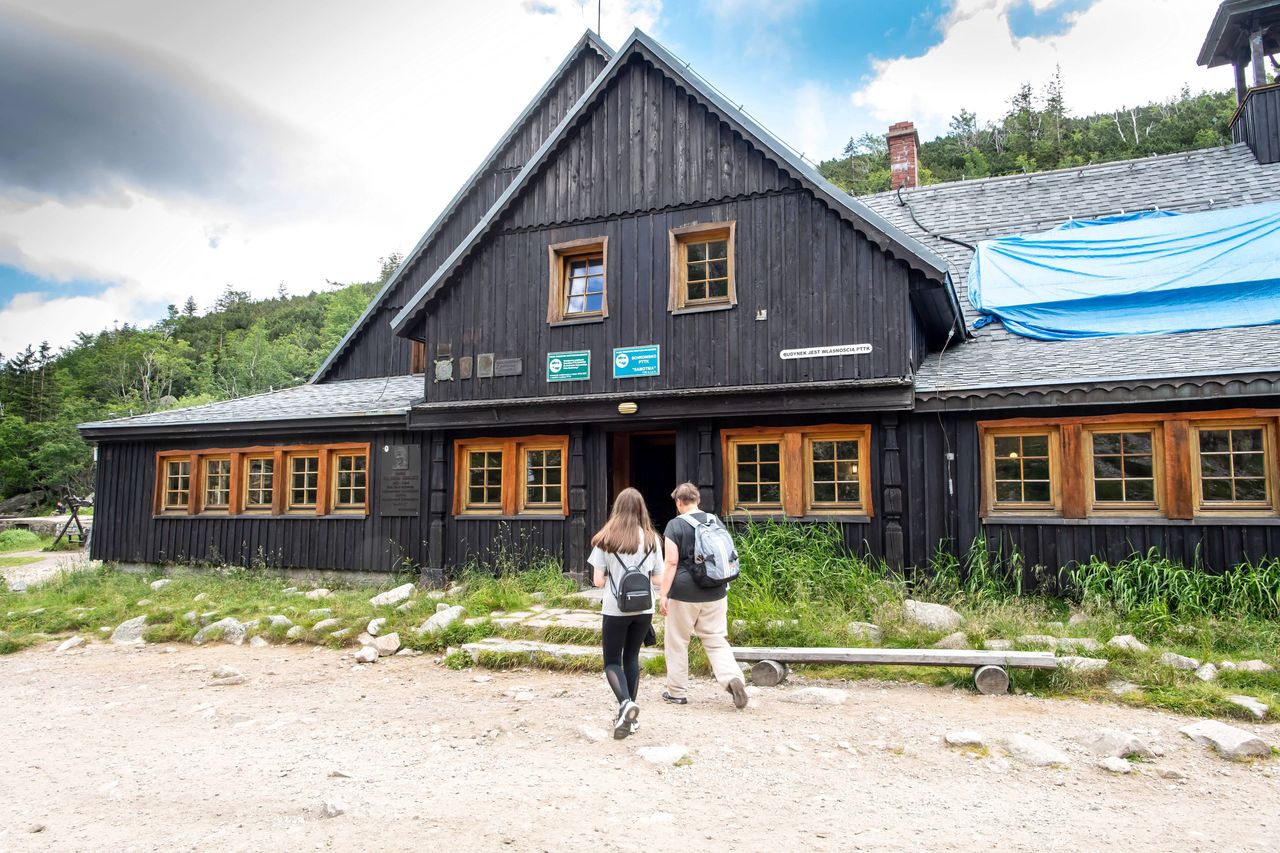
{"x": 823, "y": 352}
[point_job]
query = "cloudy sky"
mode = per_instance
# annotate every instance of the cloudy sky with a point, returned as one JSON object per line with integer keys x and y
{"x": 152, "y": 150}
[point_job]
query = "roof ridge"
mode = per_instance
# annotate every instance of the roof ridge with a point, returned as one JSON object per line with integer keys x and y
{"x": 1087, "y": 167}
{"x": 764, "y": 140}
{"x": 588, "y": 39}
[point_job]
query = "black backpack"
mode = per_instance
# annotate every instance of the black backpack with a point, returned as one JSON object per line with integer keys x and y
{"x": 634, "y": 593}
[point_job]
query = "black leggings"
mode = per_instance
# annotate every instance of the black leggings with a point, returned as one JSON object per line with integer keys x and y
{"x": 622, "y": 637}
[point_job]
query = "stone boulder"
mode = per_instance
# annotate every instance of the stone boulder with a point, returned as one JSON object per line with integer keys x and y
{"x": 278, "y": 621}
{"x": 1128, "y": 643}
{"x": 931, "y": 617}
{"x": 1208, "y": 672}
{"x": 1080, "y": 664}
{"x": 1039, "y": 641}
{"x": 69, "y": 644}
{"x": 1116, "y": 743}
{"x": 1179, "y": 661}
{"x": 1254, "y": 666}
{"x": 1112, "y": 764}
{"x": 324, "y": 625}
{"x": 1076, "y": 645}
{"x": 388, "y": 645}
{"x": 158, "y": 585}
{"x": 228, "y": 630}
{"x": 441, "y": 620}
{"x": 953, "y": 641}
{"x": 374, "y": 627}
{"x": 998, "y": 645}
{"x": 1255, "y": 708}
{"x": 317, "y": 594}
{"x": 964, "y": 738}
{"x": 865, "y": 632}
{"x": 392, "y": 596}
{"x": 257, "y": 642}
{"x": 130, "y": 631}
{"x": 1037, "y": 753}
{"x": 367, "y": 654}
{"x": 664, "y": 756}
{"x": 1230, "y": 742}
{"x": 295, "y": 632}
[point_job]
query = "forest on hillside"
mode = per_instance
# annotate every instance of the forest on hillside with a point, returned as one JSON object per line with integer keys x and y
{"x": 1038, "y": 133}
{"x": 238, "y": 346}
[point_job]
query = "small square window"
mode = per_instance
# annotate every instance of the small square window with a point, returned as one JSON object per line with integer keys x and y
{"x": 350, "y": 481}
{"x": 304, "y": 482}
{"x": 177, "y": 485}
{"x": 483, "y": 490}
{"x": 1021, "y": 471}
{"x": 1233, "y": 467}
{"x": 543, "y": 478}
{"x": 259, "y": 483}
{"x": 1125, "y": 468}
{"x": 578, "y": 273}
{"x": 702, "y": 267}
{"x": 217, "y": 484}
{"x": 757, "y": 473}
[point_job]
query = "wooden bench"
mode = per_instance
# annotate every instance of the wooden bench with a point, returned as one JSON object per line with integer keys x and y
{"x": 990, "y": 668}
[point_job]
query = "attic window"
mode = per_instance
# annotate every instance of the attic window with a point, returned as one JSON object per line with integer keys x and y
{"x": 702, "y": 267}
{"x": 578, "y": 289}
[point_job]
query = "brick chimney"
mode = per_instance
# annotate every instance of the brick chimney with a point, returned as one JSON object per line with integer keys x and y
{"x": 904, "y": 142}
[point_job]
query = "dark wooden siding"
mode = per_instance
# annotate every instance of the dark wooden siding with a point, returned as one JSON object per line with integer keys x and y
{"x": 1257, "y": 123}
{"x": 126, "y": 531}
{"x": 375, "y": 351}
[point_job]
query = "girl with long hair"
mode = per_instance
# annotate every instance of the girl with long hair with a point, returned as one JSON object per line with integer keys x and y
{"x": 626, "y": 544}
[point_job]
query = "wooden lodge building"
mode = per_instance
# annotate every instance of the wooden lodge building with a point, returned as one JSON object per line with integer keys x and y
{"x": 640, "y": 286}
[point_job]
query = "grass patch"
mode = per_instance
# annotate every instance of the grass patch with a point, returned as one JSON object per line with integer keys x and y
{"x": 14, "y": 562}
{"x": 19, "y": 540}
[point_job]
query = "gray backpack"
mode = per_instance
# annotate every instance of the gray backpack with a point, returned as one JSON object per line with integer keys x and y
{"x": 715, "y": 560}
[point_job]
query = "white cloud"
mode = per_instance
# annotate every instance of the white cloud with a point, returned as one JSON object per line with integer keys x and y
{"x": 1113, "y": 53}
{"x": 389, "y": 107}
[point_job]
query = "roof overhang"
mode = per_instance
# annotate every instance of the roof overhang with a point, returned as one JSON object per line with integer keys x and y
{"x": 1228, "y": 35}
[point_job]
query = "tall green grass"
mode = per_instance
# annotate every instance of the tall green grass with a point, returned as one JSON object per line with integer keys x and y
{"x": 19, "y": 540}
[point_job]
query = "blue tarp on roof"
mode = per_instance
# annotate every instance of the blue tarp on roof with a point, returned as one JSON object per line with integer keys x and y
{"x": 1134, "y": 274}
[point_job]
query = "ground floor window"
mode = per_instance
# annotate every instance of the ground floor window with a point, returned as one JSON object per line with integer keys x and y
{"x": 797, "y": 471}
{"x": 296, "y": 479}
{"x": 1174, "y": 465}
{"x": 510, "y": 476}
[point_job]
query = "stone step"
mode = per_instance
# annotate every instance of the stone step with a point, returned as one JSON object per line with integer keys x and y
{"x": 538, "y": 652}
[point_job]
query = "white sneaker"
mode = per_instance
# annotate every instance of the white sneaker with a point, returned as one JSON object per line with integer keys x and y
{"x": 628, "y": 712}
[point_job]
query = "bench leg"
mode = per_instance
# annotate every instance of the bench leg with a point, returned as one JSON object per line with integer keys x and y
{"x": 769, "y": 673}
{"x": 991, "y": 680}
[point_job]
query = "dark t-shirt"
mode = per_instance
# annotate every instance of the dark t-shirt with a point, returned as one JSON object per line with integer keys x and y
{"x": 683, "y": 588}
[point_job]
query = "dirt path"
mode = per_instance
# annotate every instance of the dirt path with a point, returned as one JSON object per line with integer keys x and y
{"x": 46, "y": 566}
{"x": 128, "y": 749}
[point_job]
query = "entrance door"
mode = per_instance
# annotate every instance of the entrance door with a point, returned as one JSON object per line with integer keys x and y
{"x": 646, "y": 461}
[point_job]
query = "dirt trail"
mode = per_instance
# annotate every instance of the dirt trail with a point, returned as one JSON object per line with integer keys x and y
{"x": 127, "y": 749}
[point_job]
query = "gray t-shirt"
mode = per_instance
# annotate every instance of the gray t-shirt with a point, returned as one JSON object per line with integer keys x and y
{"x": 608, "y": 563}
{"x": 684, "y": 588}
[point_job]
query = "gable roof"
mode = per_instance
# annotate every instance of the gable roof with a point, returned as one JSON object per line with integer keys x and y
{"x": 880, "y": 230}
{"x": 589, "y": 41}
{"x": 997, "y": 363}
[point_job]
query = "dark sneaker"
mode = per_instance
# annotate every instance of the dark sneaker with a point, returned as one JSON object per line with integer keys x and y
{"x": 627, "y": 715}
{"x": 739, "y": 690}
{"x": 674, "y": 700}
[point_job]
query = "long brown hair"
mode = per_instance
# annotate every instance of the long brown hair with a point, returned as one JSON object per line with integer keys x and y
{"x": 628, "y": 529}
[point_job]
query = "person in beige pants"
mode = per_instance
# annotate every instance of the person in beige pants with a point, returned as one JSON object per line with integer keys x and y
{"x": 693, "y": 610}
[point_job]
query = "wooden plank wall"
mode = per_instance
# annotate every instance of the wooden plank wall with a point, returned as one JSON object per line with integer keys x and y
{"x": 126, "y": 531}
{"x": 1258, "y": 123}
{"x": 375, "y": 351}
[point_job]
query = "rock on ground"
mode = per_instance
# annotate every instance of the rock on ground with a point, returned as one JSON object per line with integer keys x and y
{"x": 130, "y": 631}
{"x": 998, "y": 645}
{"x": 964, "y": 738}
{"x": 332, "y": 808}
{"x": 1255, "y": 666}
{"x": 367, "y": 654}
{"x": 1208, "y": 672}
{"x": 320, "y": 613}
{"x": 68, "y": 645}
{"x": 1075, "y": 645}
{"x": 663, "y": 756}
{"x": 441, "y": 620}
{"x": 1117, "y": 744}
{"x": 258, "y": 642}
{"x": 1128, "y": 642}
{"x": 1043, "y": 641}
{"x": 156, "y": 586}
{"x": 865, "y": 632}
{"x": 1035, "y": 752}
{"x": 953, "y": 641}
{"x": 228, "y": 630}
{"x": 1115, "y": 765}
{"x": 814, "y": 696}
{"x": 1079, "y": 664}
{"x": 317, "y": 594}
{"x": 1179, "y": 661}
{"x": 295, "y": 632}
{"x": 374, "y": 628}
{"x": 278, "y": 621}
{"x": 1253, "y": 706}
{"x": 932, "y": 617}
{"x": 388, "y": 645}
{"x": 1229, "y": 741}
{"x": 326, "y": 625}
{"x": 1122, "y": 688}
{"x": 226, "y": 676}
{"x": 392, "y": 596}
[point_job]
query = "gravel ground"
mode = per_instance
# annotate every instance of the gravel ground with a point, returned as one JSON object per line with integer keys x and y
{"x": 46, "y": 566}
{"x": 128, "y": 748}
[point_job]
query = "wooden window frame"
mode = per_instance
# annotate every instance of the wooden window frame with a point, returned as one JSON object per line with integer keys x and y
{"x": 333, "y": 505}
{"x": 417, "y": 357}
{"x": 795, "y": 470}
{"x": 280, "y": 485}
{"x": 1093, "y": 506}
{"x": 1177, "y": 471}
{"x": 161, "y": 501}
{"x": 678, "y": 301}
{"x": 513, "y": 476}
{"x": 290, "y": 506}
{"x": 1270, "y": 504}
{"x": 559, "y": 255}
{"x": 1051, "y": 507}
{"x": 217, "y": 509}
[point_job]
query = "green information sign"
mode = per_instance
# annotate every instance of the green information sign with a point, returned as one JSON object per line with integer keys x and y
{"x": 568, "y": 366}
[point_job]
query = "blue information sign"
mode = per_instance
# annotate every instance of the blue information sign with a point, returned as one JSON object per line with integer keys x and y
{"x": 629, "y": 362}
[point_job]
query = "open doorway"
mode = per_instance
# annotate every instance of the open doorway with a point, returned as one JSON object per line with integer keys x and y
{"x": 646, "y": 461}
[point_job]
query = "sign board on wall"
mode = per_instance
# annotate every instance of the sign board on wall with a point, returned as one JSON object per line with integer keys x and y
{"x": 568, "y": 366}
{"x": 629, "y": 362}
{"x": 825, "y": 352}
{"x": 400, "y": 480}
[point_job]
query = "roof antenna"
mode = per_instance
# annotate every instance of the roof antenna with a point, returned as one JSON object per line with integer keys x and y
{"x": 599, "y": 3}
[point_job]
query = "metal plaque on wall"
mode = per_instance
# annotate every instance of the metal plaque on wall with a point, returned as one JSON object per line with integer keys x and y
{"x": 464, "y": 367}
{"x": 484, "y": 365}
{"x": 508, "y": 367}
{"x": 400, "y": 480}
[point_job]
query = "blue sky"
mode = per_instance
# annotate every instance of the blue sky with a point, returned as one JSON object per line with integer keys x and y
{"x": 160, "y": 149}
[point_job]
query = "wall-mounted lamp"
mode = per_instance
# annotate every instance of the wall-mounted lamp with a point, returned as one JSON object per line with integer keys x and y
{"x": 627, "y": 408}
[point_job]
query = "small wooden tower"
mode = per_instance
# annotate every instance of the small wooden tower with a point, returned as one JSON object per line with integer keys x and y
{"x": 1245, "y": 34}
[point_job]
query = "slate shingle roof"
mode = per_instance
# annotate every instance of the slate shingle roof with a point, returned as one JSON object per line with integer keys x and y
{"x": 972, "y": 211}
{"x": 354, "y": 398}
